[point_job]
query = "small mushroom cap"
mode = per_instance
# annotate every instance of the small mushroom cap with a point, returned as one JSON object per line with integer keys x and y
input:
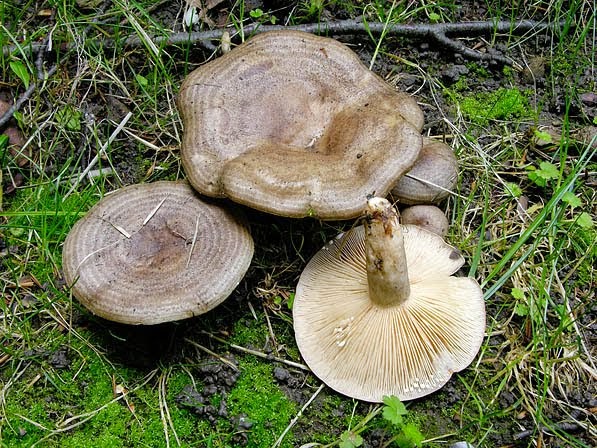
{"x": 295, "y": 125}
{"x": 155, "y": 253}
{"x": 431, "y": 179}
{"x": 428, "y": 217}
{"x": 367, "y": 351}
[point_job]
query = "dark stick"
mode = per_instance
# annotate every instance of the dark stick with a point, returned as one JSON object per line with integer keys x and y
{"x": 436, "y": 31}
{"x": 439, "y": 32}
{"x": 564, "y": 426}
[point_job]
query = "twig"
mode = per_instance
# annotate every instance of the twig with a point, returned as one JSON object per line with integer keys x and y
{"x": 212, "y": 353}
{"x": 98, "y": 155}
{"x": 299, "y": 415}
{"x": 435, "y": 31}
{"x": 258, "y": 353}
{"x": 564, "y": 427}
{"x": 442, "y": 33}
{"x": 269, "y": 357}
{"x": 26, "y": 95}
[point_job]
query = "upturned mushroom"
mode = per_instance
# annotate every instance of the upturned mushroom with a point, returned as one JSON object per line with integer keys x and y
{"x": 295, "y": 125}
{"x": 432, "y": 178}
{"x": 154, "y": 253}
{"x": 378, "y": 312}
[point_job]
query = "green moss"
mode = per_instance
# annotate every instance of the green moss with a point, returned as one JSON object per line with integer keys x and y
{"x": 249, "y": 332}
{"x": 265, "y": 405}
{"x": 502, "y": 104}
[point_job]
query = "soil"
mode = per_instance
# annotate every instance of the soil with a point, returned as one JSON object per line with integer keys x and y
{"x": 165, "y": 343}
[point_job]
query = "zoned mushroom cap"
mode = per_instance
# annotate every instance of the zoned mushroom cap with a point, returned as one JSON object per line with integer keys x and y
{"x": 367, "y": 351}
{"x": 295, "y": 125}
{"x": 431, "y": 179}
{"x": 155, "y": 253}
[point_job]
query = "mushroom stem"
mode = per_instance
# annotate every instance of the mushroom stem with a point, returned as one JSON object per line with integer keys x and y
{"x": 387, "y": 273}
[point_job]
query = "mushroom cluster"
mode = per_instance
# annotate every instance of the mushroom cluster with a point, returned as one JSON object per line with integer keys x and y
{"x": 295, "y": 125}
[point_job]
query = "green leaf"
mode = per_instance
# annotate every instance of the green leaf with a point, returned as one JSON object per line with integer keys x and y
{"x": 349, "y": 439}
{"x": 571, "y": 199}
{"x": 3, "y": 142}
{"x": 412, "y": 433}
{"x": 21, "y": 71}
{"x": 69, "y": 117}
{"x": 393, "y": 410}
{"x": 513, "y": 189}
{"x": 542, "y": 135}
{"x": 256, "y": 13}
{"x": 520, "y": 309}
{"x": 142, "y": 80}
{"x": 290, "y": 300}
{"x": 517, "y": 293}
{"x": 549, "y": 170}
{"x": 434, "y": 17}
{"x": 544, "y": 173}
{"x": 585, "y": 221}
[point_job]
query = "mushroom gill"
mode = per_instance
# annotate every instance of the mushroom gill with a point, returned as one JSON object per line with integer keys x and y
{"x": 378, "y": 312}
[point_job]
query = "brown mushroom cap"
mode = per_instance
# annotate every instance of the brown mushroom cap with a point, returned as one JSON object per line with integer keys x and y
{"x": 431, "y": 179}
{"x": 295, "y": 125}
{"x": 428, "y": 217}
{"x": 154, "y": 253}
{"x": 405, "y": 346}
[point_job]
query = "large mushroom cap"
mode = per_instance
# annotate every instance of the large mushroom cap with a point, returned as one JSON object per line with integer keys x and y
{"x": 408, "y": 346}
{"x": 294, "y": 124}
{"x": 431, "y": 179}
{"x": 154, "y": 253}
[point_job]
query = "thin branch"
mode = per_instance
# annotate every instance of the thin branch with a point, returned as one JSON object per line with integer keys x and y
{"x": 258, "y": 353}
{"x": 442, "y": 33}
{"x": 42, "y": 77}
{"x": 439, "y": 32}
{"x": 278, "y": 442}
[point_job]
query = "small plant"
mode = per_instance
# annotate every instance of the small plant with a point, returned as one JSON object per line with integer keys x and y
{"x": 394, "y": 412}
{"x": 349, "y": 439}
{"x": 21, "y": 71}
{"x": 69, "y": 117}
{"x": 543, "y": 174}
{"x": 546, "y": 174}
{"x": 261, "y": 16}
{"x": 312, "y": 9}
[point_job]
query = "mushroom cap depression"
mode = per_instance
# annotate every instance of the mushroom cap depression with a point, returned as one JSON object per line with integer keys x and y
{"x": 431, "y": 179}
{"x": 155, "y": 253}
{"x": 295, "y": 125}
{"x": 367, "y": 351}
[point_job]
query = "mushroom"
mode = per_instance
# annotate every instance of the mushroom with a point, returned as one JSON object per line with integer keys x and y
{"x": 428, "y": 217}
{"x": 377, "y": 311}
{"x": 432, "y": 177}
{"x": 153, "y": 253}
{"x": 295, "y": 125}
